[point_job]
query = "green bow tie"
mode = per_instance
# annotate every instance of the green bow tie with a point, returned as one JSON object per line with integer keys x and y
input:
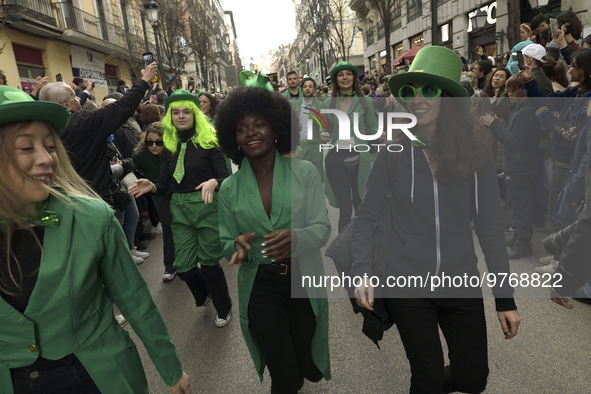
{"x": 42, "y": 218}
{"x": 353, "y": 93}
{"x": 421, "y": 142}
{"x": 179, "y": 170}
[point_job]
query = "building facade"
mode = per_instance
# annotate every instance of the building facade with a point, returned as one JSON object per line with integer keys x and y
{"x": 412, "y": 25}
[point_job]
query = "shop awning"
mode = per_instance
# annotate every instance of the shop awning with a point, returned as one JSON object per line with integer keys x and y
{"x": 408, "y": 55}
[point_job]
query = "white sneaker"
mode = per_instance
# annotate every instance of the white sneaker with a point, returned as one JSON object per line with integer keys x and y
{"x": 546, "y": 260}
{"x": 137, "y": 253}
{"x": 167, "y": 276}
{"x": 222, "y": 322}
{"x": 157, "y": 229}
{"x": 548, "y": 269}
{"x": 121, "y": 320}
{"x": 138, "y": 260}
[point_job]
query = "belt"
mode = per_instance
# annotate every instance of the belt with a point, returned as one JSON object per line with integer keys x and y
{"x": 283, "y": 268}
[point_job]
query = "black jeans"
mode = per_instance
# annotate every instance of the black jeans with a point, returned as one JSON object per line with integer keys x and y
{"x": 464, "y": 327}
{"x": 343, "y": 181}
{"x": 520, "y": 187}
{"x": 163, "y": 207}
{"x": 64, "y": 376}
{"x": 283, "y": 328}
{"x": 209, "y": 280}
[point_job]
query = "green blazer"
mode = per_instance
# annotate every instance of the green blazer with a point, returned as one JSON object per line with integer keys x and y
{"x": 288, "y": 96}
{"x": 309, "y": 150}
{"x": 84, "y": 261}
{"x": 298, "y": 204}
{"x": 370, "y": 123}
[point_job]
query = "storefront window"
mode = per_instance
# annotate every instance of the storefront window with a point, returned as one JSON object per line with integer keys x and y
{"x": 416, "y": 40}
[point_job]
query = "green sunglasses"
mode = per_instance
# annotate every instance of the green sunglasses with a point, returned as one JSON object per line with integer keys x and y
{"x": 407, "y": 93}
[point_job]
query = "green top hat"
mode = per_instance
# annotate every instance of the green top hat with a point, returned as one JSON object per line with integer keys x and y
{"x": 16, "y": 105}
{"x": 342, "y": 66}
{"x": 181, "y": 94}
{"x": 255, "y": 80}
{"x": 308, "y": 79}
{"x": 435, "y": 65}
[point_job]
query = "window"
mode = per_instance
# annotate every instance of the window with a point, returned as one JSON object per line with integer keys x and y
{"x": 414, "y": 9}
{"x": 396, "y": 22}
{"x": 381, "y": 30}
{"x": 370, "y": 36}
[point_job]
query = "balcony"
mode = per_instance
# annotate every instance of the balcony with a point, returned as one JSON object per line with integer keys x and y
{"x": 70, "y": 17}
{"x": 31, "y": 16}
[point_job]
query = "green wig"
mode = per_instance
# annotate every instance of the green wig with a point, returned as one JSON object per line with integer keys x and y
{"x": 205, "y": 133}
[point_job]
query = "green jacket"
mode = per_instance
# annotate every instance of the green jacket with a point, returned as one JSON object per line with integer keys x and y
{"x": 84, "y": 261}
{"x": 298, "y": 204}
{"x": 370, "y": 125}
{"x": 287, "y": 95}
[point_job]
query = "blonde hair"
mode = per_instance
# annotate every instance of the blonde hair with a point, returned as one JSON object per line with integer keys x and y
{"x": 11, "y": 202}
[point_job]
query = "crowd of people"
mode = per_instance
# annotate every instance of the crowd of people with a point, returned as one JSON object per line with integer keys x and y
{"x": 77, "y": 175}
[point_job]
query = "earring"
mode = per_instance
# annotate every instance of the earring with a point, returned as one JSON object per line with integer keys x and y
{"x": 275, "y": 140}
{"x": 238, "y": 148}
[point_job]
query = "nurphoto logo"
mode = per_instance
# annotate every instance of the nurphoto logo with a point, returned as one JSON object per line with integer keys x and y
{"x": 345, "y": 129}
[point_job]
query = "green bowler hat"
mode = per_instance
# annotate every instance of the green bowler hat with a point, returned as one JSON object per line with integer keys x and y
{"x": 343, "y": 66}
{"x": 435, "y": 65}
{"x": 181, "y": 94}
{"x": 16, "y": 105}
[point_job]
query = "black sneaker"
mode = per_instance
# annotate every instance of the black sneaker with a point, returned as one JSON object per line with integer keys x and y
{"x": 511, "y": 242}
{"x": 519, "y": 251}
{"x": 141, "y": 245}
{"x": 147, "y": 237}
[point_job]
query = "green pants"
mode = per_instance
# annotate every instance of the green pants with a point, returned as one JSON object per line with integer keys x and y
{"x": 195, "y": 231}
{"x": 311, "y": 152}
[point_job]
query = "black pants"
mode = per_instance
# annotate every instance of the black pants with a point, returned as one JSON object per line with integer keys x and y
{"x": 520, "y": 192}
{"x": 343, "y": 181}
{"x": 163, "y": 207}
{"x": 283, "y": 328}
{"x": 209, "y": 280}
{"x": 64, "y": 376}
{"x": 464, "y": 327}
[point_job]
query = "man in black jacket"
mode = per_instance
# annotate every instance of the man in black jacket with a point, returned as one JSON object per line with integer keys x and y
{"x": 520, "y": 139}
{"x": 85, "y": 137}
{"x": 575, "y": 264}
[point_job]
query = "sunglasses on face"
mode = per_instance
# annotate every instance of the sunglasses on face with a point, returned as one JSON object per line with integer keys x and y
{"x": 407, "y": 93}
{"x": 158, "y": 143}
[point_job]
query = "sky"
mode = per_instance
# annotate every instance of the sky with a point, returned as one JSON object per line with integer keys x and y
{"x": 261, "y": 25}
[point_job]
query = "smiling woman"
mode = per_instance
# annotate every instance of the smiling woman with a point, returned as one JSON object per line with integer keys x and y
{"x": 63, "y": 253}
{"x": 443, "y": 182}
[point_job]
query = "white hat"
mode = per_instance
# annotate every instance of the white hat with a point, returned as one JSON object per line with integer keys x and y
{"x": 536, "y": 51}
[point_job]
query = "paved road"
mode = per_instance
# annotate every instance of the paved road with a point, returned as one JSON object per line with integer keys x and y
{"x": 551, "y": 354}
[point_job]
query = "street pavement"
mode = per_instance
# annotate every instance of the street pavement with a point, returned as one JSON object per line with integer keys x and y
{"x": 551, "y": 353}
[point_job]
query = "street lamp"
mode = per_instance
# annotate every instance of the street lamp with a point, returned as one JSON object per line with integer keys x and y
{"x": 152, "y": 14}
{"x": 308, "y": 64}
{"x": 479, "y": 20}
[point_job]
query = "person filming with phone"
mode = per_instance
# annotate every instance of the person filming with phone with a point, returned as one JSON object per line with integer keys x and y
{"x": 85, "y": 137}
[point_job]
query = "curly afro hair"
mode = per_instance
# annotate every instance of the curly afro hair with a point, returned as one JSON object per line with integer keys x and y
{"x": 270, "y": 105}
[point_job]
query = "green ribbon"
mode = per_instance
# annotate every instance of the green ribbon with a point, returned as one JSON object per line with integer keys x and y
{"x": 41, "y": 217}
{"x": 421, "y": 142}
{"x": 353, "y": 93}
{"x": 179, "y": 170}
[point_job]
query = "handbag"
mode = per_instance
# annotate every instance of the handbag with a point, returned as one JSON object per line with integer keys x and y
{"x": 340, "y": 250}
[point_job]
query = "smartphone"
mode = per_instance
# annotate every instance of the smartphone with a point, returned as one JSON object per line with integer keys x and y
{"x": 553, "y": 27}
{"x": 520, "y": 62}
{"x": 58, "y": 78}
{"x": 43, "y": 72}
{"x": 148, "y": 58}
{"x": 569, "y": 27}
{"x": 91, "y": 85}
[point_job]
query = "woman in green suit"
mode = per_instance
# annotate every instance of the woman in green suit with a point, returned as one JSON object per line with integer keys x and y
{"x": 347, "y": 167}
{"x": 273, "y": 223}
{"x": 62, "y": 257}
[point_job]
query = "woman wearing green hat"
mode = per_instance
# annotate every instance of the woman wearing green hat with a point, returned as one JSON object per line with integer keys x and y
{"x": 309, "y": 147}
{"x": 63, "y": 255}
{"x": 193, "y": 163}
{"x": 443, "y": 181}
{"x": 346, "y": 169}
